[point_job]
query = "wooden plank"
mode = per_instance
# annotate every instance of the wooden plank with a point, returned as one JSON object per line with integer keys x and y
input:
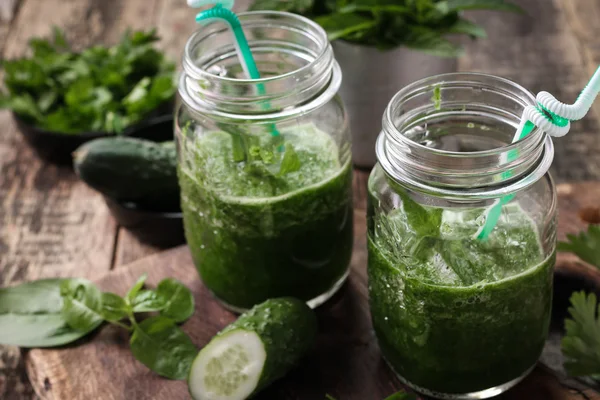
{"x": 540, "y": 51}
{"x": 129, "y": 249}
{"x": 346, "y": 362}
{"x": 50, "y": 223}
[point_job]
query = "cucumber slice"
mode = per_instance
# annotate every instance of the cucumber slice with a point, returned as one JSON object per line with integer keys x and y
{"x": 257, "y": 349}
{"x": 229, "y": 368}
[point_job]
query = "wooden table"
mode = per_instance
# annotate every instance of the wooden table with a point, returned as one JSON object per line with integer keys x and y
{"x": 53, "y": 225}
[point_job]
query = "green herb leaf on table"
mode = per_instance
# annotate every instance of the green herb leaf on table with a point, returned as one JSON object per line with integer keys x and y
{"x": 581, "y": 344}
{"x": 586, "y": 245}
{"x": 402, "y": 396}
{"x": 31, "y": 315}
{"x": 177, "y": 298}
{"x": 114, "y": 307}
{"x": 160, "y": 345}
{"x": 447, "y": 6}
{"x": 133, "y": 292}
{"x": 82, "y": 304}
{"x": 148, "y": 301}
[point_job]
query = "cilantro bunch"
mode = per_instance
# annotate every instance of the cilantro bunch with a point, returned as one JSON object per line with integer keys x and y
{"x": 102, "y": 88}
{"x": 418, "y": 24}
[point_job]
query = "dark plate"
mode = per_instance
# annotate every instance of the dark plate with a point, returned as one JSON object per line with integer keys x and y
{"x": 57, "y": 147}
{"x": 162, "y": 229}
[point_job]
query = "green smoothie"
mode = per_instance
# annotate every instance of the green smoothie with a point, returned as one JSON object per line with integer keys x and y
{"x": 452, "y": 314}
{"x": 255, "y": 234}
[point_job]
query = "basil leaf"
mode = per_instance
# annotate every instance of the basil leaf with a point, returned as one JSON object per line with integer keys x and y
{"x": 296, "y": 6}
{"x": 178, "y": 300}
{"x": 290, "y": 161}
{"x": 30, "y": 315}
{"x": 114, "y": 307}
{"x": 82, "y": 304}
{"x": 133, "y": 292}
{"x": 164, "y": 348}
{"x": 341, "y": 25}
{"x": 422, "y": 221}
{"x": 147, "y": 301}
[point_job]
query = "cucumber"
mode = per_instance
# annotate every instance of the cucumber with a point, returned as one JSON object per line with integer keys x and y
{"x": 129, "y": 169}
{"x": 254, "y": 351}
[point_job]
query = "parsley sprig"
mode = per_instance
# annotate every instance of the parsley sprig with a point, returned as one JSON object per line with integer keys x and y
{"x": 581, "y": 344}
{"x": 98, "y": 89}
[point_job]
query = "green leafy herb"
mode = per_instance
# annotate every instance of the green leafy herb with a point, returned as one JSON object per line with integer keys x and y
{"x": 98, "y": 89}
{"x": 177, "y": 298}
{"x": 55, "y": 312}
{"x": 290, "y": 162}
{"x": 164, "y": 348}
{"x": 135, "y": 289}
{"x": 114, "y": 307}
{"x": 31, "y": 315}
{"x": 402, "y": 396}
{"x": 426, "y": 223}
{"x": 586, "y": 245}
{"x": 418, "y": 24}
{"x": 82, "y": 304}
{"x": 581, "y": 344}
{"x": 147, "y": 301}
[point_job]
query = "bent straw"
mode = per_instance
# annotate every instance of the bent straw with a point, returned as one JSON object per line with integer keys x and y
{"x": 554, "y": 118}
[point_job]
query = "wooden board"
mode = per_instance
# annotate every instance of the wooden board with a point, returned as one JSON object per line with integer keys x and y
{"x": 346, "y": 362}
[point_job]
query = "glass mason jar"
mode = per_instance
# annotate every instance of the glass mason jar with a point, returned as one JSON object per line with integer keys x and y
{"x": 265, "y": 165}
{"x": 458, "y": 317}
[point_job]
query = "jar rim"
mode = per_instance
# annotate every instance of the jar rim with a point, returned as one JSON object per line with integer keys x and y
{"x": 199, "y": 72}
{"x": 429, "y": 81}
{"x": 462, "y": 175}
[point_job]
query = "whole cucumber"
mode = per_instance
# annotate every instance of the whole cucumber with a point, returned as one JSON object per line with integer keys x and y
{"x": 254, "y": 351}
{"x": 129, "y": 169}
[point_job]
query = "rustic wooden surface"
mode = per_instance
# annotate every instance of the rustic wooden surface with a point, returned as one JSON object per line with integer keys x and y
{"x": 52, "y": 225}
{"x": 345, "y": 363}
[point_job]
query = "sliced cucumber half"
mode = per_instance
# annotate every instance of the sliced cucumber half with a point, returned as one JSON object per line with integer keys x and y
{"x": 229, "y": 367}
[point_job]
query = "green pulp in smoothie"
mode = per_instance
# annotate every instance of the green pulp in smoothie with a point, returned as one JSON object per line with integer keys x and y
{"x": 453, "y": 314}
{"x": 256, "y": 235}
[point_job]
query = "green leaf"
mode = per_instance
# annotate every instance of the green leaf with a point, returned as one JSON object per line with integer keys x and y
{"x": 114, "y": 307}
{"x": 178, "y": 300}
{"x": 164, "y": 348}
{"x": 135, "y": 289}
{"x": 585, "y": 245}
{"x": 295, "y": 6}
{"x": 30, "y": 315}
{"x": 422, "y": 221}
{"x": 401, "y": 395}
{"x": 290, "y": 162}
{"x": 339, "y": 26}
{"x": 463, "y": 26}
{"x": 82, "y": 304}
{"x": 24, "y": 106}
{"x": 148, "y": 301}
{"x": 581, "y": 343}
{"x": 431, "y": 42}
{"x": 329, "y": 397}
{"x": 448, "y": 6}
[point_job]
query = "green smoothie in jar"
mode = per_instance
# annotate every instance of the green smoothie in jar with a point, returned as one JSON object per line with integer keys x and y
{"x": 264, "y": 164}
{"x": 458, "y": 316}
{"x": 256, "y": 235}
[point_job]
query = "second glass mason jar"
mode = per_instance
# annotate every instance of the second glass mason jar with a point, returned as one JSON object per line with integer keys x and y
{"x": 458, "y": 317}
{"x": 265, "y": 165}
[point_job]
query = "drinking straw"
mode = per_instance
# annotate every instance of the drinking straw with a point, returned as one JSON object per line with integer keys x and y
{"x": 222, "y": 11}
{"x": 554, "y": 118}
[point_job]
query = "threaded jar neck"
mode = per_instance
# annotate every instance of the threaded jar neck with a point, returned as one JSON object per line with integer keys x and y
{"x": 450, "y": 135}
{"x": 292, "y": 53}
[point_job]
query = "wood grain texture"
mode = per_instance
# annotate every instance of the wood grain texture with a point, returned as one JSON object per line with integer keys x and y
{"x": 541, "y": 51}
{"x": 346, "y": 362}
{"x": 51, "y": 224}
